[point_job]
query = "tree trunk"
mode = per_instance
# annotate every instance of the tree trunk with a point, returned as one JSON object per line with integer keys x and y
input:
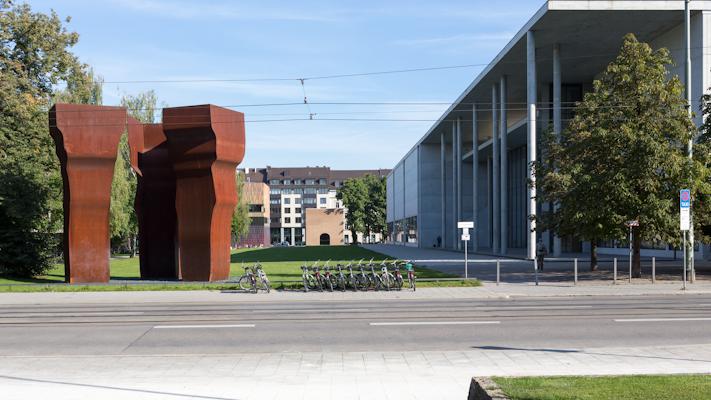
{"x": 593, "y": 255}
{"x": 636, "y": 262}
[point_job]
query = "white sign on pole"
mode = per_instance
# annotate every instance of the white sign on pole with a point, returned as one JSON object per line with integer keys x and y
{"x": 465, "y": 224}
{"x": 466, "y": 237}
{"x": 684, "y": 209}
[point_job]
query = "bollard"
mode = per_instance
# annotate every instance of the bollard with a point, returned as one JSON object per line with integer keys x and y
{"x": 498, "y": 271}
{"x": 535, "y": 270}
{"x": 654, "y": 269}
{"x": 614, "y": 273}
{"x": 630, "y": 276}
{"x": 575, "y": 263}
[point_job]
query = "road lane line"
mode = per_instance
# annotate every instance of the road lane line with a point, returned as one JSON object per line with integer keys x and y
{"x": 315, "y": 310}
{"x": 661, "y": 319}
{"x": 203, "y": 326}
{"x": 406, "y": 323}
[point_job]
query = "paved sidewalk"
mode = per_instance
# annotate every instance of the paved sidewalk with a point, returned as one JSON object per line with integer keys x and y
{"x": 487, "y": 291}
{"x": 338, "y": 375}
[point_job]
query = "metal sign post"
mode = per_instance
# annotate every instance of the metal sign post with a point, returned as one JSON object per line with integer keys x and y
{"x": 685, "y": 226}
{"x": 630, "y": 224}
{"x": 465, "y": 226}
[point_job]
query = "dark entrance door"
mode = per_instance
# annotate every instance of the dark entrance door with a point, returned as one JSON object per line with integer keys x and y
{"x": 324, "y": 239}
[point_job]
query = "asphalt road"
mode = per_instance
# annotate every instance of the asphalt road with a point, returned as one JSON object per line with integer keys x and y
{"x": 378, "y": 325}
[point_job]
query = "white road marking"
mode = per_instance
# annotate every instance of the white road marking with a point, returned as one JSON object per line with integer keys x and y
{"x": 405, "y": 323}
{"x": 661, "y": 319}
{"x": 315, "y": 310}
{"x": 202, "y": 326}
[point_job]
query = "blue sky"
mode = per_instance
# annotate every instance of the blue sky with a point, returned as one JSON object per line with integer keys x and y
{"x": 129, "y": 40}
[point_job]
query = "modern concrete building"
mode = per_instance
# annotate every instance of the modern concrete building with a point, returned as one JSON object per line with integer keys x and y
{"x": 471, "y": 165}
{"x": 294, "y": 190}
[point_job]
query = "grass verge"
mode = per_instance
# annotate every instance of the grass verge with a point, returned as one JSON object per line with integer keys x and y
{"x": 282, "y": 265}
{"x": 634, "y": 387}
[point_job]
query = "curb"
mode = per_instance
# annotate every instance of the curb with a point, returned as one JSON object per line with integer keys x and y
{"x": 482, "y": 388}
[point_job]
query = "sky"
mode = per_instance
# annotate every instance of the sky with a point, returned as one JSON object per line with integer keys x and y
{"x": 177, "y": 40}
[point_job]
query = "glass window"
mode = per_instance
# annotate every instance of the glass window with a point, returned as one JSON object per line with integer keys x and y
{"x": 297, "y": 211}
{"x": 323, "y": 191}
{"x": 310, "y": 191}
{"x": 287, "y": 220}
{"x": 287, "y": 210}
{"x": 298, "y": 182}
{"x": 274, "y": 181}
{"x": 321, "y": 181}
{"x": 275, "y": 201}
{"x": 322, "y": 200}
{"x": 297, "y": 200}
{"x": 309, "y": 200}
{"x": 287, "y": 200}
{"x": 274, "y": 191}
{"x": 255, "y": 208}
{"x": 310, "y": 182}
{"x": 298, "y": 220}
{"x": 287, "y": 181}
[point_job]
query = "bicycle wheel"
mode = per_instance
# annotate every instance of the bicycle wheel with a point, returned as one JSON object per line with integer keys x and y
{"x": 362, "y": 282}
{"x": 254, "y": 284}
{"x": 306, "y": 283}
{"x": 388, "y": 280}
{"x": 244, "y": 282}
{"x": 264, "y": 283}
{"x": 328, "y": 283}
{"x": 398, "y": 282}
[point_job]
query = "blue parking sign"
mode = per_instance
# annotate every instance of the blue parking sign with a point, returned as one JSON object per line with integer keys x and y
{"x": 684, "y": 198}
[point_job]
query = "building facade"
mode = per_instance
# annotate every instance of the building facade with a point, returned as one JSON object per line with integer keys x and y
{"x": 294, "y": 190}
{"x": 471, "y": 165}
{"x": 256, "y": 195}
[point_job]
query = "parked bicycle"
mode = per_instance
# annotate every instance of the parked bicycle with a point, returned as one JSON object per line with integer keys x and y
{"x": 248, "y": 281}
{"x": 262, "y": 278}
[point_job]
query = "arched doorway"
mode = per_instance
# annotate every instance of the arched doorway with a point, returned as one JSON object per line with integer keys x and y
{"x": 324, "y": 239}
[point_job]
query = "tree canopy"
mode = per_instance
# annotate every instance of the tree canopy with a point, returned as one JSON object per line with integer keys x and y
{"x": 365, "y": 200}
{"x": 623, "y": 155}
{"x": 37, "y": 67}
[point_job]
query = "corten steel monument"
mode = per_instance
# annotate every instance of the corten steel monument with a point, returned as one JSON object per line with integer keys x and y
{"x": 155, "y": 200}
{"x": 206, "y": 144}
{"x": 86, "y": 139}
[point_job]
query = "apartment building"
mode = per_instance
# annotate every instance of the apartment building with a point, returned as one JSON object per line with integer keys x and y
{"x": 294, "y": 190}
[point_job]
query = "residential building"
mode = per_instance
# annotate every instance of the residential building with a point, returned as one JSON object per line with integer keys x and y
{"x": 292, "y": 191}
{"x": 256, "y": 194}
{"x": 472, "y": 163}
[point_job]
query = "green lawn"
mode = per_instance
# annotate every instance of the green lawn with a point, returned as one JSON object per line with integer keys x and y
{"x": 667, "y": 387}
{"x": 280, "y": 263}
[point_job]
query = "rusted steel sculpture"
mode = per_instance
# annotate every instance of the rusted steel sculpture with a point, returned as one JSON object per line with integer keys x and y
{"x": 206, "y": 144}
{"x": 86, "y": 139}
{"x": 155, "y": 200}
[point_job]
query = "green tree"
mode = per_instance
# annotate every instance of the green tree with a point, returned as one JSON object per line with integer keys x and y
{"x": 623, "y": 155}
{"x": 702, "y": 154}
{"x": 123, "y": 223}
{"x": 240, "y": 217}
{"x": 375, "y": 208}
{"x": 36, "y": 68}
{"x": 364, "y": 198}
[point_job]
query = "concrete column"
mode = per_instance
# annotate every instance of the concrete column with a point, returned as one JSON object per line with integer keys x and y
{"x": 293, "y": 235}
{"x": 496, "y": 189}
{"x": 455, "y": 185}
{"x": 443, "y": 187}
{"x": 532, "y": 95}
{"x": 504, "y": 193}
{"x": 281, "y": 230}
{"x": 557, "y": 122}
{"x": 475, "y": 180}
